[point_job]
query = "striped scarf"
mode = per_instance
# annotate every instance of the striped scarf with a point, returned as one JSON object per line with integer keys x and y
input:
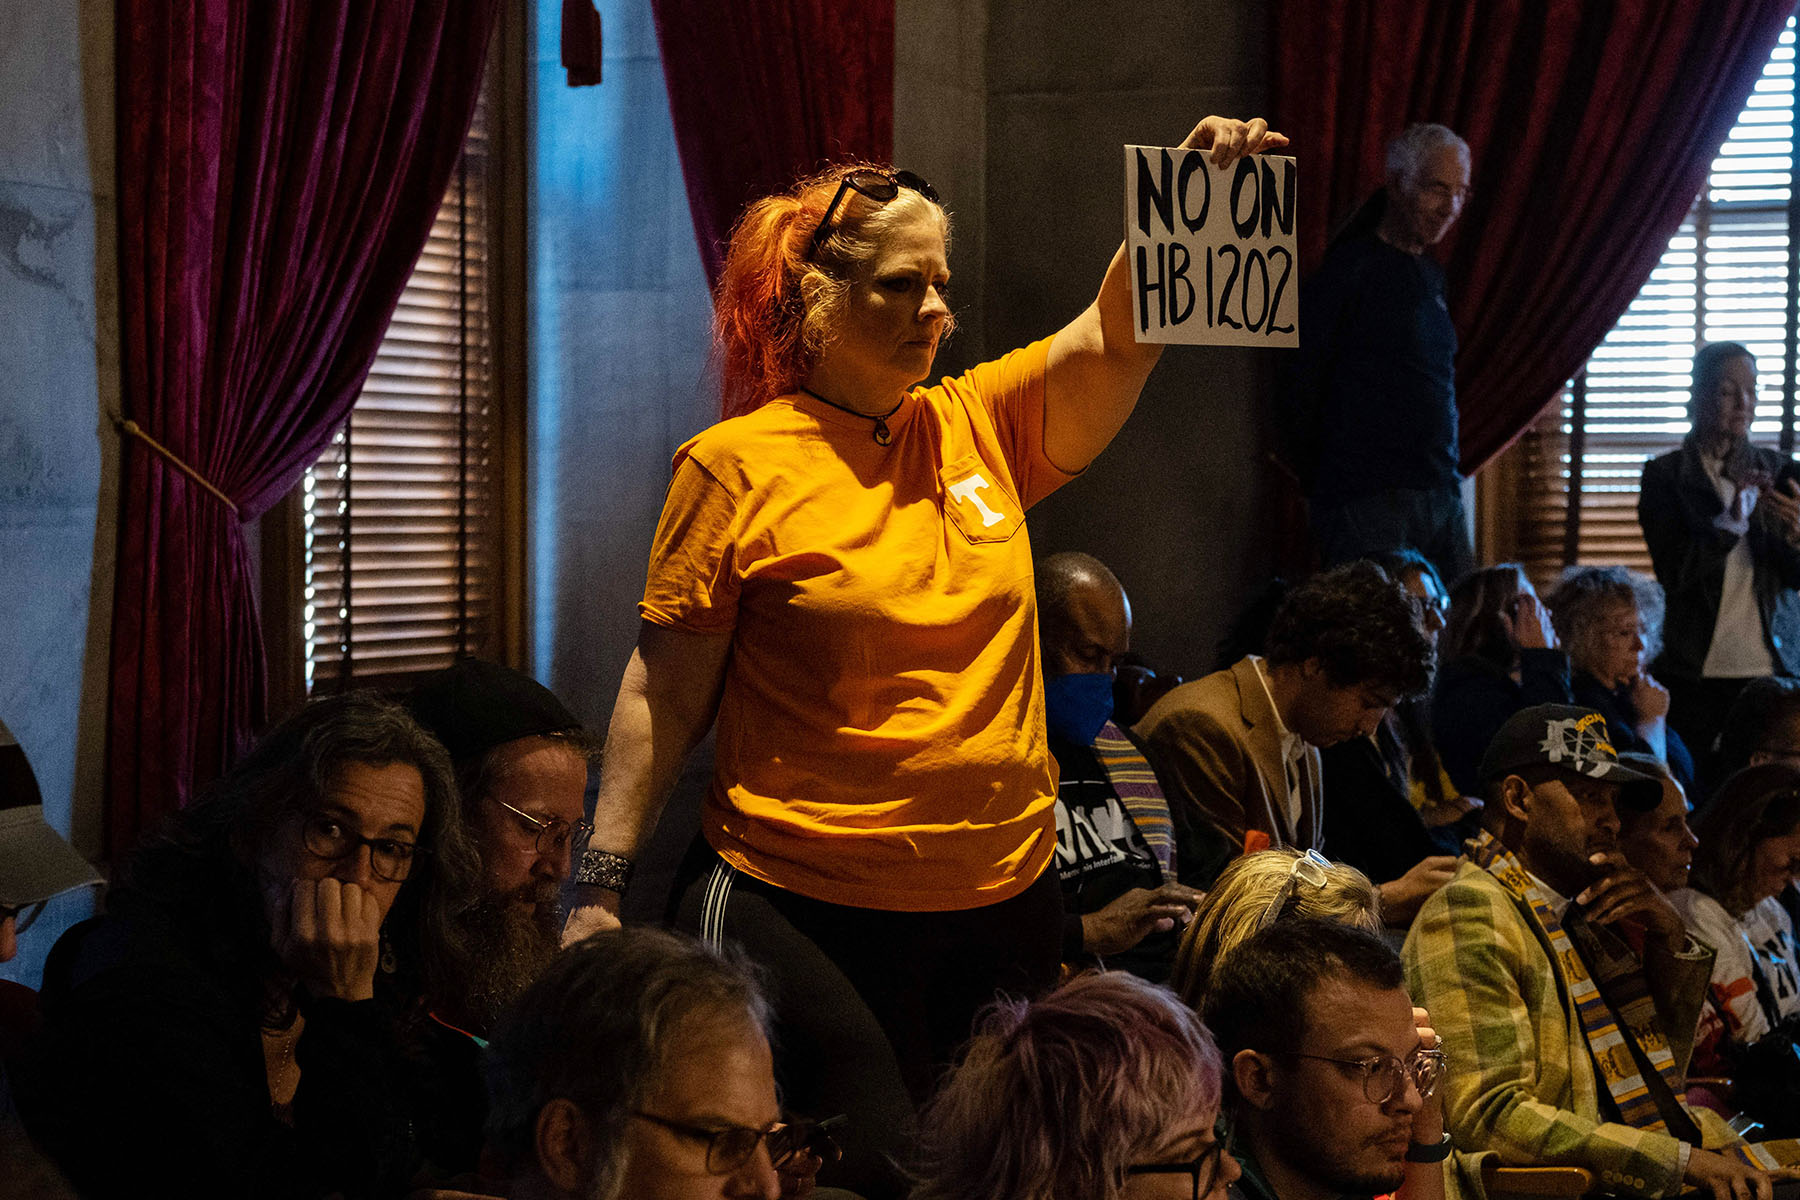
{"x": 1634, "y": 1059}
{"x": 1619, "y": 1055}
{"x": 1135, "y": 783}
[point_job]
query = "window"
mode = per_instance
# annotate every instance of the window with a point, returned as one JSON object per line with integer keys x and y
{"x": 1727, "y": 275}
{"x": 398, "y": 552}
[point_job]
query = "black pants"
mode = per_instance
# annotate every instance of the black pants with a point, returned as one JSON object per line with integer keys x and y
{"x": 871, "y": 1005}
{"x": 1432, "y": 522}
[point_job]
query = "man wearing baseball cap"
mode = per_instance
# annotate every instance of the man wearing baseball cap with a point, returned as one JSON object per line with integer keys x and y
{"x": 1565, "y": 986}
{"x": 35, "y": 862}
{"x": 35, "y": 865}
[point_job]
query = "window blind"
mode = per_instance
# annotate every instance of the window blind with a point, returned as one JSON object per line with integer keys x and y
{"x": 400, "y": 538}
{"x": 1727, "y": 275}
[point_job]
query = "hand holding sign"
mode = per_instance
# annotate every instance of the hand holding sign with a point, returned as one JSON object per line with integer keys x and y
{"x": 1230, "y": 139}
{"x": 1211, "y": 245}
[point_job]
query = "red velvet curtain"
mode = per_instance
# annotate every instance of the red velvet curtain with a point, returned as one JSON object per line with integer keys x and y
{"x": 280, "y": 163}
{"x": 765, "y": 91}
{"x": 1592, "y": 125}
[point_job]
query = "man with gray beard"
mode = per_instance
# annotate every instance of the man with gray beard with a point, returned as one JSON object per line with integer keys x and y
{"x": 521, "y": 762}
{"x": 492, "y": 920}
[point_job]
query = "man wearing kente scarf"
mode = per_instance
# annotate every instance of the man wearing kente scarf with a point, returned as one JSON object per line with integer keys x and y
{"x": 1124, "y": 894}
{"x": 1565, "y": 986}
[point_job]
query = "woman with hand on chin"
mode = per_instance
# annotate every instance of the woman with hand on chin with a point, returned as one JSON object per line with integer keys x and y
{"x": 216, "y": 1033}
{"x": 841, "y": 575}
{"x": 1610, "y": 621}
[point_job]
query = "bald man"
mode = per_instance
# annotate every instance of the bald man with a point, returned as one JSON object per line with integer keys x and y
{"x": 1115, "y": 844}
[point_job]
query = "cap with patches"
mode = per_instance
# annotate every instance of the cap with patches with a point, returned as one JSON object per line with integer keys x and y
{"x": 1573, "y": 739}
{"x": 474, "y": 706}
{"x": 35, "y": 862}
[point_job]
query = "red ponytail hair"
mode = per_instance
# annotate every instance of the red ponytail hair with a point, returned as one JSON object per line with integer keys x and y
{"x": 774, "y": 304}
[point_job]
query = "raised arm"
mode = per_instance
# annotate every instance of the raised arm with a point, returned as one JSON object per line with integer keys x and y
{"x": 1096, "y": 367}
{"x": 666, "y": 703}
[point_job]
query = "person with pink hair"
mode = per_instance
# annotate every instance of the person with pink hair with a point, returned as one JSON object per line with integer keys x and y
{"x": 1105, "y": 1089}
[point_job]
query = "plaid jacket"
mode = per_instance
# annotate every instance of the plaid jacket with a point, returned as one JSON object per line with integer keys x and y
{"x": 1521, "y": 1083}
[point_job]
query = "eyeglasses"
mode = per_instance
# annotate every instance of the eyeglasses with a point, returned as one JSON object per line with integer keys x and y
{"x": 730, "y": 1148}
{"x": 1383, "y": 1074}
{"x": 878, "y": 186}
{"x": 1311, "y": 869}
{"x": 23, "y": 915}
{"x": 552, "y": 835}
{"x": 1204, "y": 1167}
{"x": 327, "y": 837}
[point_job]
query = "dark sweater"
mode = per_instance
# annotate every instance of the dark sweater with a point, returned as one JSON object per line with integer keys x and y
{"x": 1370, "y": 400}
{"x": 1677, "y": 507}
{"x": 1370, "y": 821}
{"x": 148, "y": 1076}
{"x": 1621, "y": 722}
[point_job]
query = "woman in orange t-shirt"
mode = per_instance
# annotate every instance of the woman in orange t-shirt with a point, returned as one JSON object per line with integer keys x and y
{"x": 841, "y": 578}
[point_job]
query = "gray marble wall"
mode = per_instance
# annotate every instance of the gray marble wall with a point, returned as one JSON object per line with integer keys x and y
{"x": 58, "y": 374}
{"x": 619, "y": 344}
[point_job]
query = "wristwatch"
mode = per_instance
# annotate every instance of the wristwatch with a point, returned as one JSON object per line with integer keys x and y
{"x": 602, "y": 869}
{"x": 1429, "y": 1152}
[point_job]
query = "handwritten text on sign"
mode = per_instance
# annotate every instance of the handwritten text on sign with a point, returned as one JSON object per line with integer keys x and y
{"x": 1211, "y": 248}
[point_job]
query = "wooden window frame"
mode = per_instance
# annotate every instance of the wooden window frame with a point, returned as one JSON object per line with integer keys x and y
{"x": 1522, "y": 517}
{"x": 280, "y": 556}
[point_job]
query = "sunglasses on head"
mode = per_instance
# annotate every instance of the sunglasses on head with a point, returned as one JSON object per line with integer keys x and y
{"x": 879, "y": 186}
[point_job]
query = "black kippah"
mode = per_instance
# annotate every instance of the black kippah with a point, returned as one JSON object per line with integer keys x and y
{"x": 474, "y": 706}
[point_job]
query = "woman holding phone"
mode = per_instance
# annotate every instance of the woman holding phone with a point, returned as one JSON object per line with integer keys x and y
{"x": 1722, "y": 520}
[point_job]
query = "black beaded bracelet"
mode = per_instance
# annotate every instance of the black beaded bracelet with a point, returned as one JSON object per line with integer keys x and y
{"x": 602, "y": 869}
{"x": 1429, "y": 1152}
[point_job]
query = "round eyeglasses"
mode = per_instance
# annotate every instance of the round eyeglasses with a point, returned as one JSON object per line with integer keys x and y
{"x": 730, "y": 1147}
{"x": 550, "y": 835}
{"x": 879, "y": 186}
{"x": 1383, "y": 1075}
{"x": 328, "y": 837}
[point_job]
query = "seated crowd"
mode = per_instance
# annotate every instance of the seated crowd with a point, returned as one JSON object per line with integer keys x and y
{"x": 339, "y": 973}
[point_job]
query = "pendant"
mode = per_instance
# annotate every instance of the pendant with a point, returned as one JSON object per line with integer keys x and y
{"x": 882, "y": 436}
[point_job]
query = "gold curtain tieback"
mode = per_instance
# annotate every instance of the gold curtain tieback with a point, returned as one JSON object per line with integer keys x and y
{"x": 133, "y": 429}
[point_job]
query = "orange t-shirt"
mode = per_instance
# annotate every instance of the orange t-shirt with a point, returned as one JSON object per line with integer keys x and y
{"x": 881, "y": 732}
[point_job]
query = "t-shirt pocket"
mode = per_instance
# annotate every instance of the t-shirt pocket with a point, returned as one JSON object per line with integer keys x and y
{"x": 977, "y": 502}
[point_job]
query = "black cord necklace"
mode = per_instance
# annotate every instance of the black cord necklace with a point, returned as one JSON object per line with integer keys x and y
{"x": 882, "y": 436}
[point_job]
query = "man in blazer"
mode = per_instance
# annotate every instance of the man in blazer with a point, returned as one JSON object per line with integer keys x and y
{"x": 1239, "y": 749}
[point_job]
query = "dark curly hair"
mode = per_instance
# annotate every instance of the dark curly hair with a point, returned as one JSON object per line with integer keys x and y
{"x": 1361, "y": 626}
{"x": 200, "y": 868}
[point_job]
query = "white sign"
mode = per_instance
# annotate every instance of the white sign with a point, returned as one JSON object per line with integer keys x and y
{"x": 1212, "y": 249}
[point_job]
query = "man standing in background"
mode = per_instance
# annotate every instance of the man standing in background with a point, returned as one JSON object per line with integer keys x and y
{"x": 1369, "y": 406}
